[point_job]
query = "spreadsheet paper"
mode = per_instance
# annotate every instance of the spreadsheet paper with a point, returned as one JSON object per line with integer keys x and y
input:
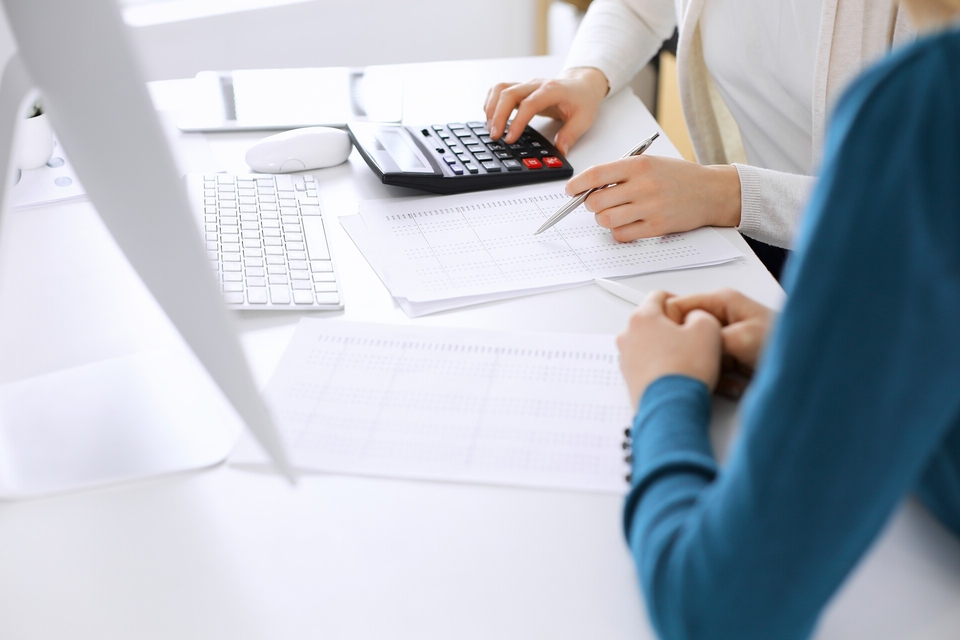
{"x": 464, "y": 405}
{"x": 434, "y": 248}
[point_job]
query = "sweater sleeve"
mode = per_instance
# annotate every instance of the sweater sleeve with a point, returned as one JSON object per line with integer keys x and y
{"x": 619, "y": 37}
{"x": 855, "y": 400}
{"x": 771, "y": 204}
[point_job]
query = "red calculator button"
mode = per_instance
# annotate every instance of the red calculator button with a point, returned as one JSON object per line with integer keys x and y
{"x": 532, "y": 163}
{"x": 552, "y": 162}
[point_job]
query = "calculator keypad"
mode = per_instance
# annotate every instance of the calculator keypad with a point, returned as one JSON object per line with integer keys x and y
{"x": 468, "y": 148}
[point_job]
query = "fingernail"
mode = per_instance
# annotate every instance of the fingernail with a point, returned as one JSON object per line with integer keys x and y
{"x": 494, "y": 132}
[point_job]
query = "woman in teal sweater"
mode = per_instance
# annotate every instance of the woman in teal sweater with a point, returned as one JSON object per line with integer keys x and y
{"x": 856, "y": 401}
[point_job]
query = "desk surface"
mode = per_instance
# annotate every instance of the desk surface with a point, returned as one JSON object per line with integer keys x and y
{"x": 226, "y": 553}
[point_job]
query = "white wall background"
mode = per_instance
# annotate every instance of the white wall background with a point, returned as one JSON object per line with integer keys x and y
{"x": 221, "y": 34}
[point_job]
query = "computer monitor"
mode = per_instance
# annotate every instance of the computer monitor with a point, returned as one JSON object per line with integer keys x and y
{"x": 79, "y": 58}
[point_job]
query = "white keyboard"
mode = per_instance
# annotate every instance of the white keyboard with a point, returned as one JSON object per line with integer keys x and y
{"x": 267, "y": 242}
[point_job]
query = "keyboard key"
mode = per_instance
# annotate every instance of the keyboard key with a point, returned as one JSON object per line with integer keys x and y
{"x": 232, "y": 286}
{"x": 297, "y": 255}
{"x": 277, "y": 269}
{"x": 248, "y": 235}
{"x": 512, "y": 165}
{"x": 232, "y": 277}
{"x": 279, "y": 280}
{"x": 455, "y": 126}
{"x": 232, "y": 266}
{"x": 484, "y": 157}
{"x": 251, "y": 244}
{"x": 257, "y": 295}
{"x": 291, "y": 228}
{"x": 257, "y": 282}
{"x": 284, "y": 182}
{"x": 231, "y": 257}
{"x": 294, "y": 237}
{"x": 309, "y": 210}
{"x": 252, "y": 262}
{"x": 303, "y": 297}
{"x": 532, "y": 163}
{"x": 302, "y": 285}
{"x": 476, "y": 125}
{"x": 254, "y": 272}
{"x": 252, "y": 253}
{"x": 503, "y": 155}
{"x": 328, "y": 298}
{"x": 324, "y": 277}
{"x": 296, "y": 246}
{"x": 274, "y": 251}
{"x": 249, "y": 226}
{"x": 299, "y": 275}
{"x": 449, "y": 159}
{"x": 491, "y": 167}
{"x": 273, "y": 242}
{"x": 289, "y": 220}
{"x": 271, "y": 233}
{"x": 553, "y": 162}
{"x": 279, "y": 294}
{"x": 316, "y": 239}
{"x": 472, "y": 168}
{"x": 276, "y": 261}
{"x": 321, "y": 266}
{"x": 457, "y": 169}
{"x": 325, "y": 287}
{"x": 233, "y": 298}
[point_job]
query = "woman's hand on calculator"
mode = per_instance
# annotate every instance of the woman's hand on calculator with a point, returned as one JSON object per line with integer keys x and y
{"x": 574, "y": 98}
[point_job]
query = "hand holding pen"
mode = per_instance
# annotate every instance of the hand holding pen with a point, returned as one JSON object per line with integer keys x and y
{"x": 577, "y": 200}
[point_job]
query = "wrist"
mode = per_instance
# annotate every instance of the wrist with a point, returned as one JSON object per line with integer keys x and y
{"x": 594, "y": 81}
{"x": 724, "y": 194}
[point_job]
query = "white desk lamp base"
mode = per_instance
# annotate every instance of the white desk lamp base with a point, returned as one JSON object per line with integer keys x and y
{"x": 113, "y": 421}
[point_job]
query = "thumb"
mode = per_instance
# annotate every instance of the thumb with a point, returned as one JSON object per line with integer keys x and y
{"x": 571, "y": 131}
{"x": 743, "y": 341}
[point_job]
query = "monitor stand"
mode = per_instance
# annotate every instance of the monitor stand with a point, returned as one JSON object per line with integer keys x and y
{"x": 138, "y": 416}
{"x": 128, "y": 418}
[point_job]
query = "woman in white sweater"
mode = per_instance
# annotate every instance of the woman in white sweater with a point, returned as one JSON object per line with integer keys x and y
{"x": 757, "y": 78}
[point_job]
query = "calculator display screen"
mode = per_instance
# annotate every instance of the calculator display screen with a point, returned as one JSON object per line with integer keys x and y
{"x": 400, "y": 151}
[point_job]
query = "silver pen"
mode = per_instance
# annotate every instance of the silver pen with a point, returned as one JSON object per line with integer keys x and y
{"x": 577, "y": 200}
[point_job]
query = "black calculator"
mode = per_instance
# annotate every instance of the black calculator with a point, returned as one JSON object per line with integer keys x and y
{"x": 456, "y": 157}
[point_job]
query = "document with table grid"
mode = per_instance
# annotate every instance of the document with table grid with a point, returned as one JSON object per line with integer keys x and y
{"x": 434, "y": 248}
{"x": 462, "y": 405}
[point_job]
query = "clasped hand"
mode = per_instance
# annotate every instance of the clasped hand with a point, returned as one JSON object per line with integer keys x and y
{"x": 699, "y": 336}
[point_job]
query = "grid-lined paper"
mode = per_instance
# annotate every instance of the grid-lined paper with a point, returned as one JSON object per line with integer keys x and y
{"x": 543, "y": 410}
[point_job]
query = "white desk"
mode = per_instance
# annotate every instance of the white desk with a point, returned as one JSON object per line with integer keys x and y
{"x": 225, "y": 553}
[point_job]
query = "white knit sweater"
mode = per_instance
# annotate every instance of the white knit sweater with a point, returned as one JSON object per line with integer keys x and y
{"x": 618, "y": 37}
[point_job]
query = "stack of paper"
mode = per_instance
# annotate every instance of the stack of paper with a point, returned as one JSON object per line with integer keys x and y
{"x": 437, "y": 253}
{"x": 538, "y": 410}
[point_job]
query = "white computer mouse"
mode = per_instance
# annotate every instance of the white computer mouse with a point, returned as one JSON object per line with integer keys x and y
{"x": 300, "y": 150}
